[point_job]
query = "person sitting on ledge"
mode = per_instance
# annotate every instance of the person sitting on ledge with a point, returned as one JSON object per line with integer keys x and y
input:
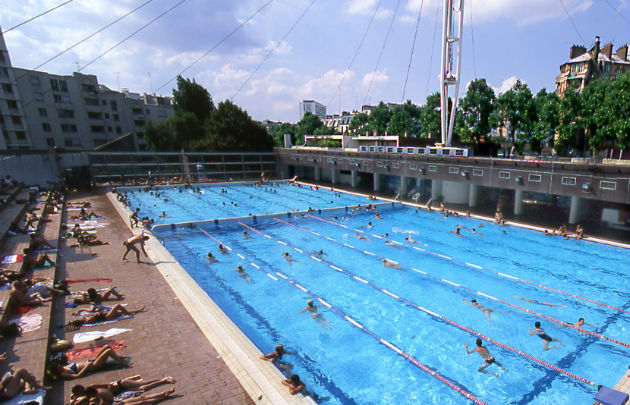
{"x": 20, "y": 297}
{"x": 32, "y": 260}
{"x": 39, "y": 243}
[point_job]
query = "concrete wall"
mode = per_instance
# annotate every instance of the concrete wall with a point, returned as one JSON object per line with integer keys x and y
{"x": 31, "y": 169}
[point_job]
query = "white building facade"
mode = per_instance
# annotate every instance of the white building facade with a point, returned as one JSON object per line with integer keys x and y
{"x": 39, "y": 110}
{"x": 313, "y": 107}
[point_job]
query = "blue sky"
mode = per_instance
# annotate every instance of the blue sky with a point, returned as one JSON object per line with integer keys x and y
{"x": 513, "y": 39}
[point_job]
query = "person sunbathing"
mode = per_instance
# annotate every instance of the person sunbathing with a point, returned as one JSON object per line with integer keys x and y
{"x": 91, "y": 296}
{"x": 19, "y": 381}
{"x": 88, "y": 239}
{"x": 39, "y": 243}
{"x": 133, "y": 385}
{"x": 102, "y": 316}
{"x": 93, "y": 396}
{"x": 32, "y": 260}
{"x": 84, "y": 215}
{"x": 77, "y": 370}
{"x": 19, "y": 296}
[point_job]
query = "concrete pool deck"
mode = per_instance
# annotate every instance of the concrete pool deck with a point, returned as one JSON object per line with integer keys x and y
{"x": 260, "y": 379}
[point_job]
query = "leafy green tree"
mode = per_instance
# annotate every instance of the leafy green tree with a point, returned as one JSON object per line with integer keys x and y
{"x": 324, "y": 130}
{"x": 571, "y": 121}
{"x": 405, "y": 119}
{"x": 514, "y": 110}
{"x": 229, "y": 128}
{"x": 306, "y": 126}
{"x": 379, "y": 118}
{"x": 357, "y": 121}
{"x": 547, "y": 108}
{"x": 430, "y": 119}
{"x": 193, "y": 97}
{"x": 284, "y": 128}
{"x": 475, "y": 109}
{"x": 180, "y": 131}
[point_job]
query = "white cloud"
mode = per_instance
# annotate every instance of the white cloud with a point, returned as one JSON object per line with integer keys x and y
{"x": 505, "y": 85}
{"x": 377, "y": 77}
{"x": 366, "y": 7}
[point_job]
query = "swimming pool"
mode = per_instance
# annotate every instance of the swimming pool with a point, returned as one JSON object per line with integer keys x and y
{"x": 420, "y": 318}
{"x": 236, "y": 200}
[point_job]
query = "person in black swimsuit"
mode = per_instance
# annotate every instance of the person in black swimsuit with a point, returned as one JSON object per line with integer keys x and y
{"x": 486, "y": 356}
{"x": 545, "y": 337}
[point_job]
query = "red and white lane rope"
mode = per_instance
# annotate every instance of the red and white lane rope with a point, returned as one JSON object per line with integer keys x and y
{"x": 357, "y": 325}
{"x": 427, "y": 311}
{"x": 500, "y": 274}
{"x": 443, "y": 280}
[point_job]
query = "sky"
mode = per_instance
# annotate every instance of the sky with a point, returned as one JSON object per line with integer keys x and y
{"x": 293, "y": 50}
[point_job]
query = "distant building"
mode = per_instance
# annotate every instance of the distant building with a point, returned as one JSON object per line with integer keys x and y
{"x": 313, "y": 107}
{"x": 338, "y": 122}
{"x": 584, "y": 66}
{"x": 39, "y": 110}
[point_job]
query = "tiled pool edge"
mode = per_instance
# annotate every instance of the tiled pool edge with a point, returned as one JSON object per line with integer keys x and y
{"x": 239, "y": 353}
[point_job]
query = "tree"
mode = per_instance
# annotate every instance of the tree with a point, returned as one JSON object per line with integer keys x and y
{"x": 192, "y": 97}
{"x": 180, "y": 131}
{"x": 379, "y": 118}
{"x": 229, "y": 128}
{"x": 284, "y": 128}
{"x": 358, "y": 121}
{"x": 571, "y": 118}
{"x": 513, "y": 109}
{"x": 547, "y": 107}
{"x": 306, "y": 126}
{"x": 431, "y": 120}
{"x": 475, "y": 109}
{"x": 405, "y": 119}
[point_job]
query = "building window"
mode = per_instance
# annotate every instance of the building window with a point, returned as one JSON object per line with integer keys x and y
{"x": 116, "y": 117}
{"x": 17, "y": 121}
{"x": 504, "y": 175}
{"x": 12, "y": 104}
{"x": 65, "y": 113}
{"x": 568, "y": 181}
{"x": 109, "y": 129}
{"x": 54, "y": 84}
{"x": 379, "y": 164}
{"x": 104, "y": 102}
{"x": 432, "y": 168}
{"x": 413, "y": 167}
{"x": 536, "y": 178}
{"x": 38, "y": 96}
{"x": 92, "y": 102}
{"x": 8, "y": 89}
{"x": 477, "y": 172}
{"x": 118, "y": 130}
{"x": 113, "y": 105}
{"x": 68, "y": 128}
{"x": 94, "y": 115}
{"x": 97, "y": 128}
{"x": 453, "y": 170}
{"x": 72, "y": 142}
{"x": 4, "y": 72}
{"x": 138, "y": 123}
{"x": 106, "y": 115}
{"x": 61, "y": 98}
{"x": 46, "y": 127}
{"x": 50, "y": 142}
{"x": 608, "y": 185}
{"x": 20, "y": 135}
{"x": 395, "y": 165}
{"x": 63, "y": 86}
{"x": 88, "y": 88}
{"x": 42, "y": 112}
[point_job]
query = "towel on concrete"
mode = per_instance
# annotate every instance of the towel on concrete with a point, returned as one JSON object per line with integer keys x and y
{"x": 11, "y": 259}
{"x": 119, "y": 318}
{"x": 82, "y": 337}
{"x": 90, "y": 280}
{"x": 23, "y": 399}
{"x": 29, "y": 322}
{"x": 83, "y": 352}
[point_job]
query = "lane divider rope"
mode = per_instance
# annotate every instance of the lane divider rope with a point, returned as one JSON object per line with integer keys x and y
{"x": 480, "y": 267}
{"x": 357, "y": 325}
{"x": 443, "y": 318}
{"x": 443, "y": 280}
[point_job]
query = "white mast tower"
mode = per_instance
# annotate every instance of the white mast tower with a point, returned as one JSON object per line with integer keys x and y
{"x": 451, "y": 52}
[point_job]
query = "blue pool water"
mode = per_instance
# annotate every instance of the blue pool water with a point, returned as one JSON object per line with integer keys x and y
{"x": 337, "y": 360}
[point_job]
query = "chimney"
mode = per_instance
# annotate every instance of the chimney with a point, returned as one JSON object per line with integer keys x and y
{"x": 622, "y": 53}
{"x": 607, "y": 50}
{"x": 577, "y": 50}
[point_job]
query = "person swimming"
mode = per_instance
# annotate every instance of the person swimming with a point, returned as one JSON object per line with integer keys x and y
{"x": 487, "y": 311}
{"x": 389, "y": 263}
{"x": 241, "y": 272}
{"x": 211, "y": 258}
{"x": 315, "y": 314}
{"x": 223, "y": 250}
{"x": 540, "y": 332}
{"x": 488, "y": 359}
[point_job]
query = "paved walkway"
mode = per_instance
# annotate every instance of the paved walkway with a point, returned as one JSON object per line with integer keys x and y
{"x": 165, "y": 340}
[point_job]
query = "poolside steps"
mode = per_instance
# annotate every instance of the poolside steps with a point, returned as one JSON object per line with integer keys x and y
{"x": 29, "y": 350}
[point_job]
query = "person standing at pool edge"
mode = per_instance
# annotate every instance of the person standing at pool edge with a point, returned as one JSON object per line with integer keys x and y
{"x": 486, "y": 356}
{"x": 129, "y": 244}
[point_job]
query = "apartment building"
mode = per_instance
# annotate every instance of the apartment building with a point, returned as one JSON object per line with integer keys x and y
{"x": 586, "y": 65}
{"x": 39, "y": 110}
{"x": 313, "y": 107}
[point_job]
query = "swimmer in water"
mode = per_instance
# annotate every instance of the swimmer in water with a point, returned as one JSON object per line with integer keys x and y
{"x": 287, "y": 256}
{"x": 392, "y": 244}
{"x": 580, "y": 323}
{"x": 389, "y": 263}
{"x": 488, "y": 359}
{"x": 457, "y": 232}
{"x": 362, "y": 237}
{"x": 409, "y": 239}
{"x": 538, "y": 302}
{"x": 241, "y": 272}
{"x": 245, "y": 234}
{"x": 540, "y": 332}
{"x": 223, "y": 250}
{"x": 485, "y": 310}
{"x": 211, "y": 258}
{"x": 315, "y": 314}
{"x": 321, "y": 253}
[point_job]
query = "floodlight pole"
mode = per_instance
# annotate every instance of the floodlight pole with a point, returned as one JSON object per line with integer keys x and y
{"x": 449, "y": 78}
